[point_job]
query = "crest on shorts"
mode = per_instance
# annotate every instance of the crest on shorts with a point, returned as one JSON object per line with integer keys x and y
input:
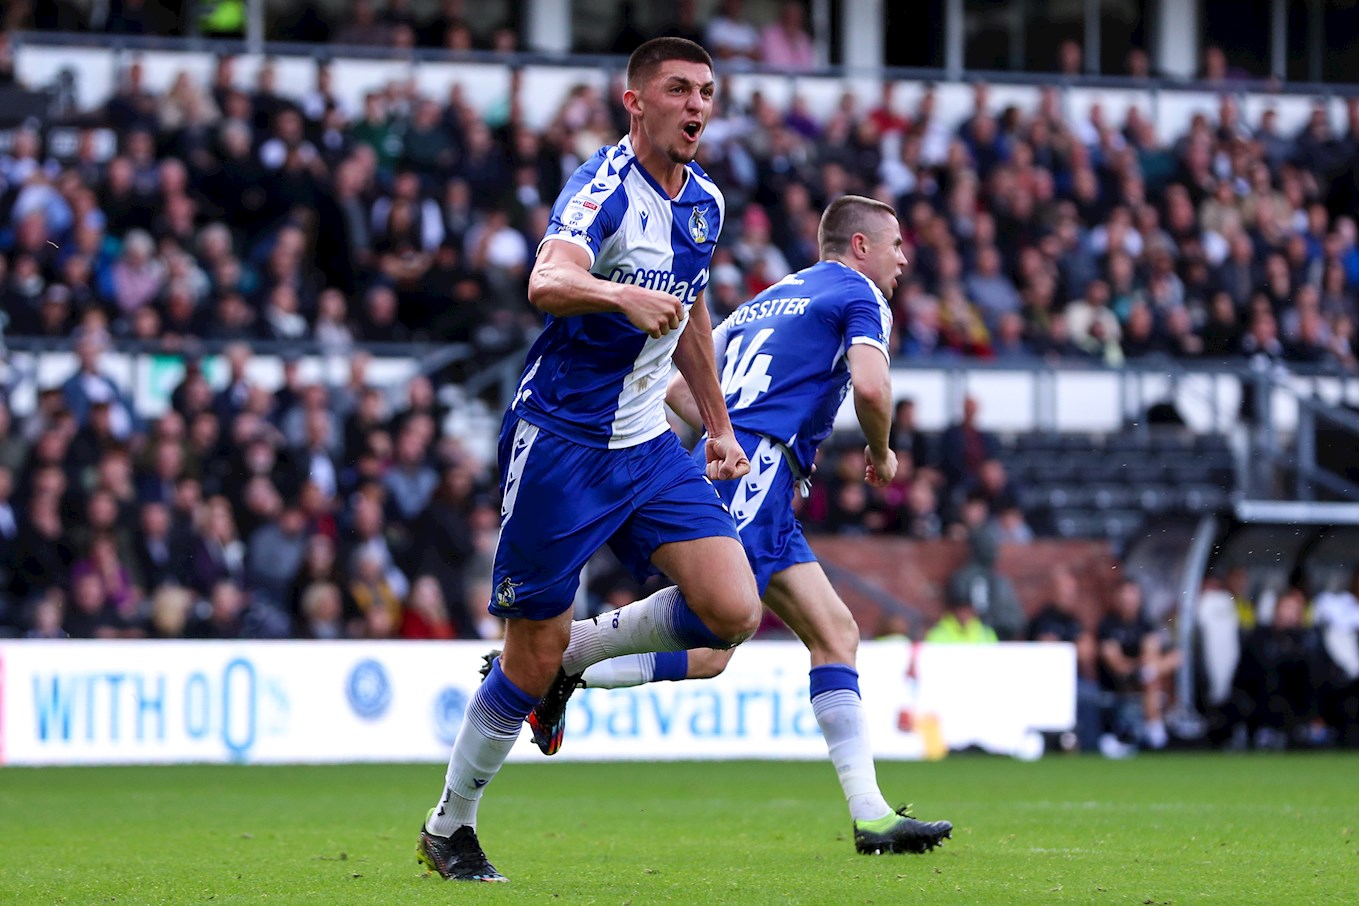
{"x": 504, "y": 593}
{"x": 698, "y": 225}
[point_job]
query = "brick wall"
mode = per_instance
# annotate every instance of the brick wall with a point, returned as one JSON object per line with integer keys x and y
{"x": 878, "y": 571}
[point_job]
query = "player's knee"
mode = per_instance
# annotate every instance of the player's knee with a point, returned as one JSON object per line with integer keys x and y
{"x": 845, "y": 637}
{"x": 746, "y": 621}
{"x": 533, "y": 655}
{"x": 735, "y": 619}
{"x": 833, "y": 635}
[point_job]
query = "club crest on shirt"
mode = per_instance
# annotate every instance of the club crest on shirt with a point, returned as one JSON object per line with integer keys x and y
{"x": 698, "y": 225}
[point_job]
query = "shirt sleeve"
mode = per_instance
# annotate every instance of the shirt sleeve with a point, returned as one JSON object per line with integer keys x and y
{"x": 868, "y": 321}
{"x": 590, "y": 207}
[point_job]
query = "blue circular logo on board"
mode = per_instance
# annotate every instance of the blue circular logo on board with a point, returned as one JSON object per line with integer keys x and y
{"x": 368, "y": 690}
{"x": 449, "y": 706}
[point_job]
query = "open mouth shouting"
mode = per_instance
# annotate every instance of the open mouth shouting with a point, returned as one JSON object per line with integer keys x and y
{"x": 692, "y": 129}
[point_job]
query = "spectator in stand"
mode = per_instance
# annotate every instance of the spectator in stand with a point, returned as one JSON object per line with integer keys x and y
{"x": 964, "y": 446}
{"x": 315, "y": 459}
{"x": 89, "y": 385}
{"x": 9, "y": 533}
{"x": 921, "y": 519}
{"x": 7, "y": 57}
{"x": 364, "y": 27}
{"x": 216, "y": 554}
{"x": 960, "y": 624}
{"x": 685, "y": 24}
{"x": 1059, "y": 621}
{"x": 730, "y": 38}
{"x": 990, "y": 290}
{"x": 103, "y": 558}
{"x": 1338, "y": 609}
{"x": 158, "y": 554}
{"x": 13, "y": 447}
{"x": 765, "y": 265}
{"x": 785, "y": 44}
{"x": 1278, "y": 686}
{"x": 369, "y": 588}
{"x": 994, "y": 486}
{"x": 410, "y": 481}
{"x": 47, "y": 617}
{"x": 425, "y": 616}
{"x": 44, "y": 554}
{"x": 320, "y": 566}
{"x": 90, "y": 615}
{"x": 445, "y": 544}
{"x": 1094, "y": 328}
{"x": 909, "y": 439}
{"x": 986, "y": 592}
{"x": 225, "y": 618}
{"x": 369, "y": 539}
{"x": 321, "y": 613}
{"x": 274, "y": 556}
{"x": 1134, "y": 661}
{"x": 171, "y": 609}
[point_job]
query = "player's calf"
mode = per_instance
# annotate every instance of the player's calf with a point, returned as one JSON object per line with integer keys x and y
{"x": 706, "y": 663}
{"x": 803, "y": 598}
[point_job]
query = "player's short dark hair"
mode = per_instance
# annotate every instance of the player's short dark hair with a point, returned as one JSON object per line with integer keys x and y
{"x": 645, "y": 60}
{"x": 845, "y": 216}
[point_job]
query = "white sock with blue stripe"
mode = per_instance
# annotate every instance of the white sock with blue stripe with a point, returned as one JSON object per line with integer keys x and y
{"x": 489, "y": 730}
{"x": 839, "y": 713}
{"x": 637, "y": 669}
{"x": 661, "y": 622}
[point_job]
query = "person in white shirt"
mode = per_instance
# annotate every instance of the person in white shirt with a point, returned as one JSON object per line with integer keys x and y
{"x": 730, "y": 37}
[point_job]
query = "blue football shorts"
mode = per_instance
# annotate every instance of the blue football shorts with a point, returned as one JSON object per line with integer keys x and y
{"x": 761, "y": 502}
{"x": 563, "y": 501}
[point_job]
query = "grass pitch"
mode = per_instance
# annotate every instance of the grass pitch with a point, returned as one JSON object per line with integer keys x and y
{"x": 1171, "y": 829}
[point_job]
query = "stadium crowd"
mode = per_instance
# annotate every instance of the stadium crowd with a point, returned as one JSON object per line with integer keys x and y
{"x": 250, "y": 213}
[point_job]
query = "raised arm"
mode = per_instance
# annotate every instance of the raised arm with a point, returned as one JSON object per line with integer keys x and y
{"x": 697, "y": 362}
{"x": 873, "y": 405}
{"x": 561, "y": 285}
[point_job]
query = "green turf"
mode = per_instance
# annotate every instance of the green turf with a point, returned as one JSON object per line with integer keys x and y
{"x": 1173, "y": 829}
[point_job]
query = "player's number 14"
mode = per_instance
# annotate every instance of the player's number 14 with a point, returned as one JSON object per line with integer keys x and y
{"x": 747, "y": 372}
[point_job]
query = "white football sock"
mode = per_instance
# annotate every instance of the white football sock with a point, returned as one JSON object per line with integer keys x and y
{"x": 661, "y": 622}
{"x": 488, "y": 732}
{"x": 840, "y": 714}
{"x": 621, "y": 672}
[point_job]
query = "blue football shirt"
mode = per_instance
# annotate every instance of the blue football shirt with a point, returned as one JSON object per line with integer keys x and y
{"x": 594, "y": 378}
{"x": 783, "y": 355}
